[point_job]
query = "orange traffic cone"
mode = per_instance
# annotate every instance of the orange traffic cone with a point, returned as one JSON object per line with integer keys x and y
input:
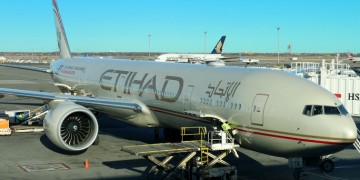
{"x": 86, "y": 163}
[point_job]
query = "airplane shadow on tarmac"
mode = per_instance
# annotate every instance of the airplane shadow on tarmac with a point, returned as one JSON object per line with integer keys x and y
{"x": 123, "y": 130}
{"x": 134, "y": 164}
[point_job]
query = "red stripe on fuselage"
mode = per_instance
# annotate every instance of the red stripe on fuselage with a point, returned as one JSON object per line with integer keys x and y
{"x": 292, "y": 138}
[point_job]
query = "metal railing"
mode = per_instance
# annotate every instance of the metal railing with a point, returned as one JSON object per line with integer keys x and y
{"x": 201, "y": 133}
{"x": 357, "y": 142}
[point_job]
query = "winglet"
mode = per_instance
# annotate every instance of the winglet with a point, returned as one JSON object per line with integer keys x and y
{"x": 219, "y": 45}
{"x": 60, "y": 32}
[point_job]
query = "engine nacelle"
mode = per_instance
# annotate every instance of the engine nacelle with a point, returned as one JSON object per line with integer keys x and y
{"x": 70, "y": 126}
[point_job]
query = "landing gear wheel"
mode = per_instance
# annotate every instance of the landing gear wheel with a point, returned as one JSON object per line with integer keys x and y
{"x": 327, "y": 165}
{"x": 97, "y": 141}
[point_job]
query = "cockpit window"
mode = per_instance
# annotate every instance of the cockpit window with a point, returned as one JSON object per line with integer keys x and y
{"x": 317, "y": 110}
{"x": 307, "y": 110}
{"x": 343, "y": 111}
{"x": 331, "y": 110}
{"x": 313, "y": 110}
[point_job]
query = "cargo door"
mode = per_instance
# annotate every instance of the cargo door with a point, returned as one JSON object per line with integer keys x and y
{"x": 257, "y": 110}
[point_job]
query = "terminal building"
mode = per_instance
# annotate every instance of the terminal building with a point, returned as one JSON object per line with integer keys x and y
{"x": 336, "y": 77}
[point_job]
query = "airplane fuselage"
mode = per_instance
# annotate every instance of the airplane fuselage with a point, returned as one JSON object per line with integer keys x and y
{"x": 190, "y": 57}
{"x": 354, "y": 59}
{"x": 263, "y": 107}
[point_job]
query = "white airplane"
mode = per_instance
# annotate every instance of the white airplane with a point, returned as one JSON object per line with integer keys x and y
{"x": 185, "y": 58}
{"x": 249, "y": 61}
{"x": 351, "y": 58}
{"x": 270, "y": 112}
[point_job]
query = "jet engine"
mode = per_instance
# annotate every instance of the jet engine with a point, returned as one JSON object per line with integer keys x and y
{"x": 70, "y": 126}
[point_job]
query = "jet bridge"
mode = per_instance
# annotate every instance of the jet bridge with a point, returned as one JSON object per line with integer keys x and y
{"x": 199, "y": 160}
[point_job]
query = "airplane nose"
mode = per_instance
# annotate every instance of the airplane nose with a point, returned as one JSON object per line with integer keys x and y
{"x": 351, "y": 133}
{"x": 349, "y": 130}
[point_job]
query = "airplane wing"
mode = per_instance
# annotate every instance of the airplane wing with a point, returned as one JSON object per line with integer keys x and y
{"x": 32, "y": 68}
{"x": 125, "y": 108}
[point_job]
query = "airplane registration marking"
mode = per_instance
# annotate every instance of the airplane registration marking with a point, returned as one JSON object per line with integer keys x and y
{"x": 300, "y": 137}
{"x": 220, "y": 103}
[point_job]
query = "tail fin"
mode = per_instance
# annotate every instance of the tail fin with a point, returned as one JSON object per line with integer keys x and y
{"x": 349, "y": 55}
{"x": 60, "y": 32}
{"x": 219, "y": 45}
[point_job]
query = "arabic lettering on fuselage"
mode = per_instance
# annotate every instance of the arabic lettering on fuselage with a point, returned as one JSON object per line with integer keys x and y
{"x": 126, "y": 81}
{"x": 221, "y": 89}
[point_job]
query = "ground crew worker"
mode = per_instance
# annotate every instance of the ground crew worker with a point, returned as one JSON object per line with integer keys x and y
{"x": 226, "y": 127}
{"x": 20, "y": 117}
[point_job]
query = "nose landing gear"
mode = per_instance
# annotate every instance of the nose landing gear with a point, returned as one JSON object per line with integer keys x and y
{"x": 325, "y": 164}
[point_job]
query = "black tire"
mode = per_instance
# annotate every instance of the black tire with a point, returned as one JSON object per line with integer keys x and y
{"x": 327, "y": 165}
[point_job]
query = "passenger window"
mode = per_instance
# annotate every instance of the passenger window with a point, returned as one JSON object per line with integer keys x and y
{"x": 331, "y": 110}
{"x": 307, "y": 110}
{"x": 317, "y": 110}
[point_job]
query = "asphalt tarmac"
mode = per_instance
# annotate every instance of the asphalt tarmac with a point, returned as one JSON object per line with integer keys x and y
{"x": 33, "y": 156}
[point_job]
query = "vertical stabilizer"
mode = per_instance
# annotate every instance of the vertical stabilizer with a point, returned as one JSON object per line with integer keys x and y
{"x": 60, "y": 32}
{"x": 218, "y": 48}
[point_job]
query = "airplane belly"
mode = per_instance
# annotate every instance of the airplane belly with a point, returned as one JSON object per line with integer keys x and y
{"x": 173, "y": 119}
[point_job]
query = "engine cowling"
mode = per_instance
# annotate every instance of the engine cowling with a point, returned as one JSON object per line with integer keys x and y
{"x": 70, "y": 126}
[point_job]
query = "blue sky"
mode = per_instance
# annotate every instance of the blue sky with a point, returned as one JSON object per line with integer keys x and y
{"x": 178, "y": 26}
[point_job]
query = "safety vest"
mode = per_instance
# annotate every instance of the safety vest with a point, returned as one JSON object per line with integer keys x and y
{"x": 225, "y": 126}
{"x": 20, "y": 117}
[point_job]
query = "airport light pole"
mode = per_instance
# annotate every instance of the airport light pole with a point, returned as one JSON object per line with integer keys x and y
{"x": 205, "y": 42}
{"x": 278, "y": 30}
{"x": 149, "y": 44}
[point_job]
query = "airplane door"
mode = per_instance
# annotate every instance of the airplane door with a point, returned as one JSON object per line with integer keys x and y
{"x": 187, "y": 97}
{"x": 257, "y": 110}
{"x": 120, "y": 86}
